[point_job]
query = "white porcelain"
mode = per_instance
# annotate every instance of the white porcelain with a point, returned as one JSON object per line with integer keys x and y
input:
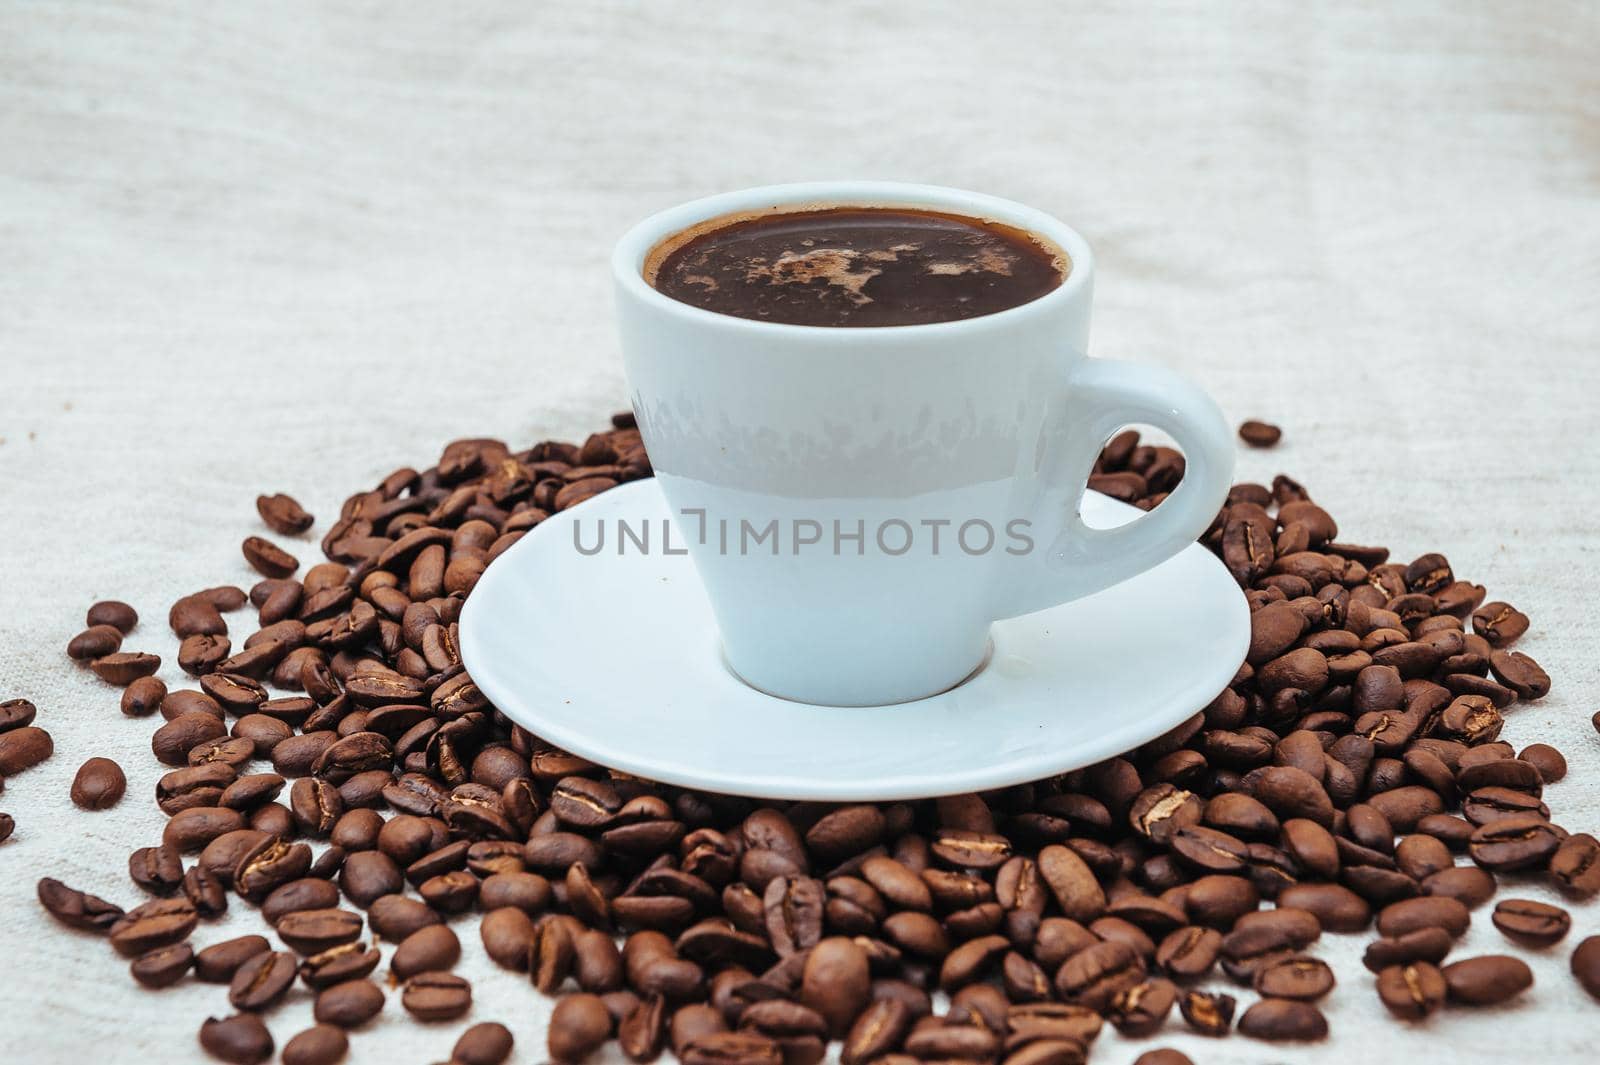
{"x": 615, "y": 657}
{"x": 989, "y": 423}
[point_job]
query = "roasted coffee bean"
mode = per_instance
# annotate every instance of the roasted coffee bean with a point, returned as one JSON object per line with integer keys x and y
{"x": 1259, "y": 434}
{"x": 1516, "y": 841}
{"x": 836, "y": 982}
{"x": 486, "y": 1043}
{"x": 117, "y": 614}
{"x": 1095, "y": 975}
{"x": 394, "y": 917}
{"x": 125, "y": 667}
{"x": 314, "y": 931}
{"x": 1530, "y": 923}
{"x": 880, "y": 1029}
{"x": 283, "y": 514}
{"x": 1206, "y": 1013}
{"x": 1071, "y": 882}
{"x": 98, "y": 785}
{"x": 217, "y": 963}
{"x": 205, "y": 892}
{"x": 305, "y": 894}
{"x": 368, "y": 876}
{"x": 1412, "y": 990}
{"x": 730, "y": 1048}
{"x": 261, "y": 981}
{"x": 1163, "y": 1056}
{"x": 436, "y": 996}
{"x": 1281, "y": 1019}
{"x": 1141, "y": 1009}
{"x": 348, "y": 961}
{"x": 1575, "y": 866}
{"x": 96, "y": 641}
{"x": 508, "y": 936}
{"x": 321, "y": 1044}
{"x": 1425, "y": 944}
{"x": 240, "y": 1039}
{"x": 349, "y": 1004}
{"x": 794, "y": 913}
{"x": 428, "y": 949}
{"x": 163, "y": 966}
{"x": 1189, "y": 953}
{"x": 1487, "y": 980}
{"x": 23, "y": 748}
{"x": 190, "y": 830}
{"x": 1298, "y": 977}
{"x": 268, "y": 558}
{"x": 159, "y": 923}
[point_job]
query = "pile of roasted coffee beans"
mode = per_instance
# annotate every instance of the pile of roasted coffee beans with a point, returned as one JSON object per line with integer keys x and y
{"x": 339, "y": 770}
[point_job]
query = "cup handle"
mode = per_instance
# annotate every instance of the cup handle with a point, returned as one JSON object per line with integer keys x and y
{"x": 1099, "y": 397}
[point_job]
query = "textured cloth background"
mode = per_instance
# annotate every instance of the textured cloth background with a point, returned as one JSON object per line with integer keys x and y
{"x": 291, "y": 246}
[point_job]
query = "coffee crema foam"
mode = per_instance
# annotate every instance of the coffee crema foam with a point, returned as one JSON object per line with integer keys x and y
{"x": 854, "y": 266}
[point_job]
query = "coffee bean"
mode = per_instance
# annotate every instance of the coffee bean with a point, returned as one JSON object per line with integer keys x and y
{"x": 349, "y": 1004}
{"x": 158, "y": 923}
{"x": 486, "y": 1043}
{"x": 266, "y": 863}
{"x": 1412, "y": 991}
{"x": 1206, "y": 1013}
{"x": 125, "y": 667}
{"x": 1163, "y": 1056}
{"x": 117, "y": 614}
{"x": 1424, "y": 944}
{"x": 1095, "y": 975}
{"x": 1189, "y": 953}
{"x": 163, "y": 966}
{"x": 1297, "y": 977}
{"x": 394, "y": 917}
{"x": 314, "y": 931}
{"x": 305, "y": 894}
{"x": 1499, "y": 623}
{"x": 8, "y": 825}
{"x": 836, "y": 983}
{"x": 1282, "y": 1019}
{"x": 240, "y": 1039}
{"x": 23, "y": 748}
{"x": 1071, "y": 883}
{"x": 425, "y": 950}
{"x": 1259, "y": 434}
{"x": 1141, "y": 1009}
{"x": 217, "y": 963}
{"x": 1575, "y": 866}
{"x": 261, "y": 980}
{"x": 880, "y": 1029}
{"x": 205, "y": 892}
{"x": 1530, "y": 923}
{"x": 321, "y": 1044}
{"x": 267, "y": 558}
{"x": 283, "y": 514}
{"x": 1514, "y": 842}
{"x": 1487, "y": 980}
{"x": 731, "y": 1048}
{"x": 98, "y": 785}
{"x": 347, "y": 961}
{"x": 96, "y": 641}
{"x": 1409, "y": 915}
{"x": 435, "y": 996}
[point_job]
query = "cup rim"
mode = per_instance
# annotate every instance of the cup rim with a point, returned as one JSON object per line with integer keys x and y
{"x": 628, "y": 257}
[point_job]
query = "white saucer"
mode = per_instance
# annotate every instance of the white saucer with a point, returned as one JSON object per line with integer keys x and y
{"x": 617, "y": 659}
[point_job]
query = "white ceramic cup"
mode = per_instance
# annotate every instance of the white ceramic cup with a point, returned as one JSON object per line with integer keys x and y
{"x": 812, "y": 434}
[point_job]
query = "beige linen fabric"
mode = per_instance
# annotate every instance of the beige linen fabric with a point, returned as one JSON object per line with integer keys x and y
{"x": 290, "y": 246}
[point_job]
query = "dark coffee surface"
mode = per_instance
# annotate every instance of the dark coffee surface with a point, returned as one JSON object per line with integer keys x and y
{"x": 857, "y": 266}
